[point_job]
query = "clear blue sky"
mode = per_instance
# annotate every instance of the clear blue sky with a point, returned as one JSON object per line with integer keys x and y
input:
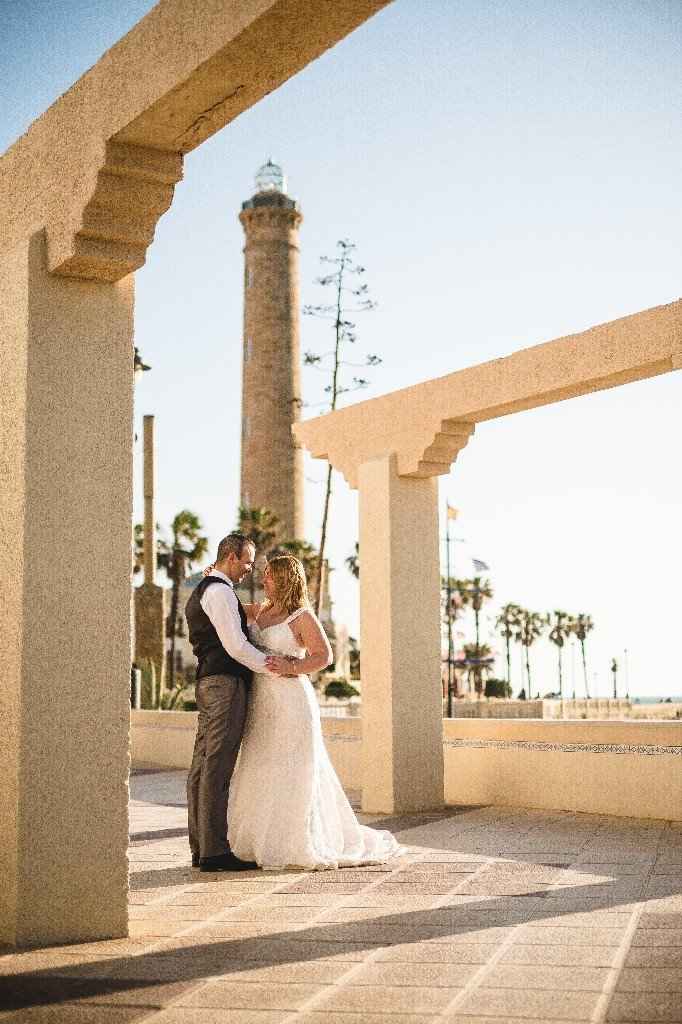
{"x": 510, "y": 173}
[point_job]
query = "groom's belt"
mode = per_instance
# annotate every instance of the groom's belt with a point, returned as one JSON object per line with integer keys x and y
{"x": 219, "y": 663}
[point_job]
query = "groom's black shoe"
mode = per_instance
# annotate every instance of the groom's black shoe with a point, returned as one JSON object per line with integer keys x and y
{"x": 226, "y": 862}
{"x": 195, "y": 860}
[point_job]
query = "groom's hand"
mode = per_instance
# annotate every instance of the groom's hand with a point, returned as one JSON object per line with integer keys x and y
{"x": 281, "y": 666}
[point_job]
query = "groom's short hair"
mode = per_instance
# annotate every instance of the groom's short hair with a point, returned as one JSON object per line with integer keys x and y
{"x": 234, "y": 544}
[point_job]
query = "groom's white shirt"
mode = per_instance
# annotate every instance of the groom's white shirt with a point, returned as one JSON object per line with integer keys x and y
{"x": 220, "y": 604}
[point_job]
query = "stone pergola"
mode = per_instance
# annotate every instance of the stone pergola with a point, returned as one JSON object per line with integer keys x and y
{"x": 393, "y": 449}
{"x": 82, "y": 192}
{"x": 81, "y": 195}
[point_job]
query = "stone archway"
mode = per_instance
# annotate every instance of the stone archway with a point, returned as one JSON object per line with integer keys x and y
{"x": 392, "y": 449}
{"x": 82, "y": 191}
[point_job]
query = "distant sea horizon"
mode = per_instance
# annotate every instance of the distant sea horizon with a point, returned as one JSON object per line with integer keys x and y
{"x": 657, "y": 700}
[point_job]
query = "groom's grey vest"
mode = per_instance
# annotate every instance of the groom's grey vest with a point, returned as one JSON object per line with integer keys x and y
{"x": 212, "y": 657}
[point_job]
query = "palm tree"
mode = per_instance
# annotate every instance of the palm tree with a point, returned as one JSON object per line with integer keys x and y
{"x": 162, "y": 550}
{"x": 480, "y": 591}
{"x": 187, "y": 547}
{"x": 461, "y": 591}
{"x": 138, "y": 548}
{"x": 582, "y": 625}
{"x": 530, "y": 627}
{"x": 561, "y": 628}
{"x": 263, "y": 528}
{"x": 507, "y": 622}
{"x": 353, "y": 562}
{"x": 463, "y": 588}
{"x": 455, "y": 594}
{"x": 478, "y": 660}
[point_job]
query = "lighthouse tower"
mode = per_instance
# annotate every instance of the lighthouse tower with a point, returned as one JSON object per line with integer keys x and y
{"x": 272, "y": 465}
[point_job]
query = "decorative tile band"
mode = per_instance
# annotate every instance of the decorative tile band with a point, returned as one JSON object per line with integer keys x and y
{"x": 650, "y": 750}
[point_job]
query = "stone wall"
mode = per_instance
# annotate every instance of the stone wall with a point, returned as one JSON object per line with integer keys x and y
{"x": 549, "y": 709}
{"x": 590, "y": 709}
{"x": 622, "y": 768}
{"x": 629, "y": 769}
{"x": 496, "y": 708}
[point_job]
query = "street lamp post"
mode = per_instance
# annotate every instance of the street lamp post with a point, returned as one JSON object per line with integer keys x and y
{"x": 627, "y": 674}
{"x": 449, "y": 612}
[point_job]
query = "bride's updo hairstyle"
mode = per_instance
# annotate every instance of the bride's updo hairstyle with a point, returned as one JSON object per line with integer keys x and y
{"x": 288, "y": 576}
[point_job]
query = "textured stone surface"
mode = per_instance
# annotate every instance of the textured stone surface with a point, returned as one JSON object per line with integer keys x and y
{"x": 65, "y": 473}
{"x": 415, "y": 434}
{"x": 97, "y": 169}
{"x": 94, "y": 173}
{"x": 627, "y": 768}
{"x": 441, "y": 413}
{"x": 150, "y": 599}
{"x": 407, "y": 963}
{"x": 150, "y": 629}
{"x": 399, "y": 614}
{"x": 502, "y": 765}
{"x": 272, "y": 461}
{"x": 81, "y": 194}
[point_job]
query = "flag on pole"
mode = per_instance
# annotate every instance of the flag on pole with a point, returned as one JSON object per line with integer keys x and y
{"x": 480, "y": 566}
{"x": 452, "y": 512}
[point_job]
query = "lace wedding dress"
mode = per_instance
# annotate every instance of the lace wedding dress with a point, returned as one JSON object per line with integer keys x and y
{"x": 286, "y": 805}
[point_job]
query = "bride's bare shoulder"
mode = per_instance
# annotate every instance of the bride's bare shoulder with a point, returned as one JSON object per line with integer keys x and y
{"x": 306, "y": 622}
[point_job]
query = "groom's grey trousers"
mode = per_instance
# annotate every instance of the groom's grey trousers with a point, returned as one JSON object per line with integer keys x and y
{"x": 221, "y": 703}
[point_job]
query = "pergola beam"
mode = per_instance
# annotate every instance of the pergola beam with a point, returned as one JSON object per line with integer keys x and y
{"x": 416, "y": 423}
{"x": 102, "y": 161}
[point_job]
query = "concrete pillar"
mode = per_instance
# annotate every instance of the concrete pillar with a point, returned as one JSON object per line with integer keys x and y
{"x": 149, "y": 465}
{"x": 150, "y": 603}
{"x": 65, "y": 571}
{"x": 400, "y": 640}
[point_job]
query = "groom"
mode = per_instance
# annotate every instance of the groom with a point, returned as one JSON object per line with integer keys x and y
{"x": 227, "y": 661}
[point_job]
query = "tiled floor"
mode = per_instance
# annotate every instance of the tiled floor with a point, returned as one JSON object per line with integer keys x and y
{"x": 492, "y": 915}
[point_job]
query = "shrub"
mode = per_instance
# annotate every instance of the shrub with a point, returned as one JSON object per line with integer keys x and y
{"x": 497, "y": 688}
{"x": 340, "y": 688}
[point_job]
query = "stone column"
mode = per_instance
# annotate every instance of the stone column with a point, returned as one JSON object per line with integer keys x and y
{"x": 149, "y": 469}
{"x": 150, "y": 604}
{"x": 65, "y": 571}
{"x": 271, "y": 459}
{"x": 402, "y": 714}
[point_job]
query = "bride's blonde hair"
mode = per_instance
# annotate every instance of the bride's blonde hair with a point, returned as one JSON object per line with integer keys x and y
{"x": 288, "y": 577}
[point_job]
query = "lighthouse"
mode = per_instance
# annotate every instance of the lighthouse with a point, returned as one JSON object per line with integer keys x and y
{"x": 271, "y": 462}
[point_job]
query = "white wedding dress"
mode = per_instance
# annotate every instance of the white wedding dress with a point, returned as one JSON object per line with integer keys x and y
{"x": 286, "y": 805}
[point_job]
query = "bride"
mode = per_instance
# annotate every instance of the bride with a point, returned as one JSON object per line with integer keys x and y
{"x": 286, "y": 805}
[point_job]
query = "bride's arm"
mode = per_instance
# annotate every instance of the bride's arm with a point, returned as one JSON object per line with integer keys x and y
{"x": 309, "y": 633}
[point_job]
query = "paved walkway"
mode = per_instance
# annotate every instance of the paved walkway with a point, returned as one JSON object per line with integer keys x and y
{"x": 492, "y": 915}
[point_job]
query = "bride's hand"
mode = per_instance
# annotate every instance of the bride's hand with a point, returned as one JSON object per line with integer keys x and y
{"x": 208, "y": 570}
{"x": 281, "y": 666}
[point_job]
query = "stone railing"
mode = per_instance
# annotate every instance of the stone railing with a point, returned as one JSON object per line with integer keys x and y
{"x": 625, "y": 768}
{"x": 622, "y": 768}
{"x": 496, "y": 707}
{"x": 595, "y": 708}
{"x": 548, "y": 708}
